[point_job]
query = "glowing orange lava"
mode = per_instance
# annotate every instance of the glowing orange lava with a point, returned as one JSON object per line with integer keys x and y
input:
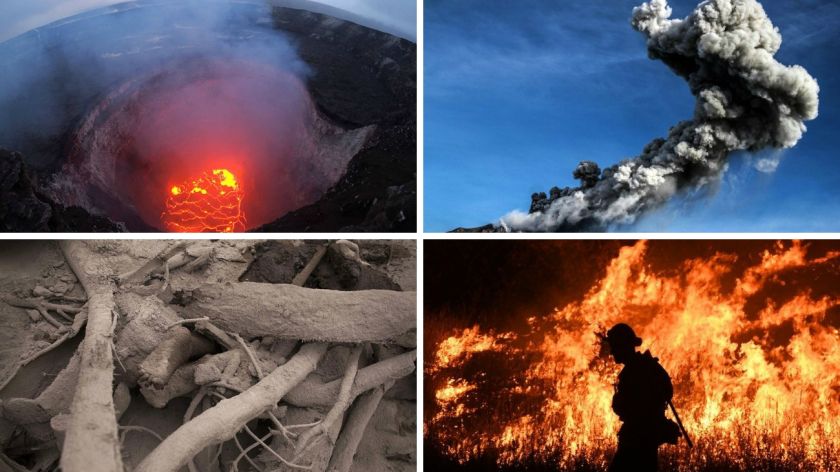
{"x": 756, "y": 375}
{"x": 210, "y": 203}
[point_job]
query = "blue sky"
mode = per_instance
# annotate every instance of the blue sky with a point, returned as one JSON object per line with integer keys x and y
{"x": 517, "y": 93}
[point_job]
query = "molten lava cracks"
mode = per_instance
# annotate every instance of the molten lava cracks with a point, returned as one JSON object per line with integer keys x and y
{"x": 210, "y": 203}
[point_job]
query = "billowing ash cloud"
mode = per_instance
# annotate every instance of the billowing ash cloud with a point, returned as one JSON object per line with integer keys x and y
{"x": 746, "y": 100}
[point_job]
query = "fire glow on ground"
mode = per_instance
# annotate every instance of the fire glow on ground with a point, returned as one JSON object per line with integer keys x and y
{"x": 748, "y": 331}
{"x": 209, "y": 203}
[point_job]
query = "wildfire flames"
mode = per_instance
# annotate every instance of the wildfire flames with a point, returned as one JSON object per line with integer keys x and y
{"x": 210, "y": 203}
{"x": 754, "y": 355}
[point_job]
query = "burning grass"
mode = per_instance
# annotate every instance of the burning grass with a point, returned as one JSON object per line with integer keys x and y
{"x": 754, "y": 354}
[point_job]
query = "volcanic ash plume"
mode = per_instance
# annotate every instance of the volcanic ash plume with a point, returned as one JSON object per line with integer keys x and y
{"x": 746, "y": 100}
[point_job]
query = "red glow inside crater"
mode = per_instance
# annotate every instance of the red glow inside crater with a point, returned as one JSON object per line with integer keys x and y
{"x": 198, "y": 144}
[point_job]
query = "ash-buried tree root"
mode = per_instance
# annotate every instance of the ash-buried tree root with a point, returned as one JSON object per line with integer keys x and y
{"x": 221, "y": 422}
{"x": 312, "y": 392}
{"x": 91, "y": 442}
{"x": 354, "y": 427}
{"x": 289, "y": 312}
{"x": 180, "y": 346}
{"x": 307, "y": 438}
{"x": 157, "y": 263}
{"x": 315, "y": 393}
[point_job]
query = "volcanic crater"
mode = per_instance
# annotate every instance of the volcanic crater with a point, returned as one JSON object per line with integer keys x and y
{"x": 178, "y": 117}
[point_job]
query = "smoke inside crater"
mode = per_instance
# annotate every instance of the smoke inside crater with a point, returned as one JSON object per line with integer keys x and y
{"x": 124, "y": 103}
{"x": 252, "y": 119}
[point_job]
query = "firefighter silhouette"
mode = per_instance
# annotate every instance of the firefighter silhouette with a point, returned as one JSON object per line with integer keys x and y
{"x": 642, "y": 393}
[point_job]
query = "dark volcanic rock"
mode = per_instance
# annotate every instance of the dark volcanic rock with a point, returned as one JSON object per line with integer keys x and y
{"x": 20, "y": 208}
{"x": 23, "y": 209}
{"x": 77, "y": 220}
{"x": 377, "y": 193}
{"x": 488, "y": 228}
{"x": 361, "y": 76}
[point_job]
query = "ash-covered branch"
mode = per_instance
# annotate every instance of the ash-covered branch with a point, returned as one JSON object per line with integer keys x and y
{"x": 290, "y": 312}
{"x": 91, "y": 441}
{"x": 157, "y": 345}
{"x": 357, "y": 420}
{"x": 312, "y": 392}
{"x": 224, "y": 420}
{"x": 341, "y": 404}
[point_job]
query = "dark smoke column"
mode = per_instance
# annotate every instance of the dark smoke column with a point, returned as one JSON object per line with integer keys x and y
{"x": 746, "y": 100}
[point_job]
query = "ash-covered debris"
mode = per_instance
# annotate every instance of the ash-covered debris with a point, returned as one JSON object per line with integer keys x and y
{"x": 345, "y": 265}
{"x": 212, "y": 371}
{"x": 354, "y": 273}
{"x": 746, "y": 101}
{"x": 278, "y": 261}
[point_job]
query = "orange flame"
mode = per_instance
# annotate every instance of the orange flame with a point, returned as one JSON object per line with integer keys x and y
{"x": 753, "y": 377}
{"x": 210, "y": 203}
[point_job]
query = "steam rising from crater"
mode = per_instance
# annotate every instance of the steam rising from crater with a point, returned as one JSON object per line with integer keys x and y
{"x": 746, "y": 100}
{"x": 119, "y": 104}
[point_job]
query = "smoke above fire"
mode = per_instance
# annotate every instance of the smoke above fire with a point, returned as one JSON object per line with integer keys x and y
{"x": 745, "y": 101}
{"x": 750, "y": 339}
